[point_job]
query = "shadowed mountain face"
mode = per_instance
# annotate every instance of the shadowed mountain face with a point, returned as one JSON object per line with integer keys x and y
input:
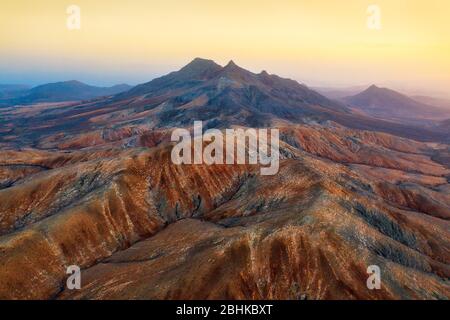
{"x": 92, "y": 184}
{"x": 445, "y": 125}
{"x": 61, "y": 91}
{"x": 389, "y": 104}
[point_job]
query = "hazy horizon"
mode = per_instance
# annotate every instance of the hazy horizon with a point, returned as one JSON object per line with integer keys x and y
{"x": 317, "y": 43}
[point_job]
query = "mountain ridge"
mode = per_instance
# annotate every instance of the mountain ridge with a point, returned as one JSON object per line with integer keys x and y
{"x": 71, "y": 90}
{"x": 93, "y": 184}
{"x": 203, "y": 90}
{"x": 387, "y": 103}
{"x": 260, "y": 94}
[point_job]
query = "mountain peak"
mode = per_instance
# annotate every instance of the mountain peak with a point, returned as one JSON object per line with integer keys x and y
{"x": 387, "y": 103}
{"x": 62, "y": 84}
{"x": 200, "y": 67}
{"x": 234, "y": 71}
{"x": 231, "y": 66}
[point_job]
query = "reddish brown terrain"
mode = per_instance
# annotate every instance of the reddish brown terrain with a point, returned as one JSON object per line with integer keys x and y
{"x": 92, "y": 184}
{"x": 388, "y": 104}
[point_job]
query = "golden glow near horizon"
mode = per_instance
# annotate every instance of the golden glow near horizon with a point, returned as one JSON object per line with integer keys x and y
{"x": 315, "y": 41}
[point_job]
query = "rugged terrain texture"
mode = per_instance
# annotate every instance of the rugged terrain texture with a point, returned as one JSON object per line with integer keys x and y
{"x": 11, "y": 95}
{"x": 92, "y": 184}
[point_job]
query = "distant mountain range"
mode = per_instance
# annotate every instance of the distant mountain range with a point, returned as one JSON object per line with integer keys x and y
{"x": 93, "y": 184}
{"x": 389, "y": 104}
{"x": 55, "y": 92}
{"x": 432, "y": 101}
{"x": 445, "y": 125}
{"x": 231, "y": 95}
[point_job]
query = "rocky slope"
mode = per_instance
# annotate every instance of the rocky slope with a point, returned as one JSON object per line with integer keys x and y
{"x": 389, "y": 104}
{"x": 93, "y": 185}
{"x": 55, "y": 92}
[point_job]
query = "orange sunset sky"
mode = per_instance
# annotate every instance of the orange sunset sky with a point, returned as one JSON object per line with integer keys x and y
{"x": 320, "y": 43}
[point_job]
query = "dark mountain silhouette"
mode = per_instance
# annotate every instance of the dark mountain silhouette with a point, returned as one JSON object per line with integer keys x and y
{"x": 9, "y": 91}
{"x": 389, "y": 104}
{"x": 339, "y": 92}
{"x": 64, "y": 91}
{"x": 203, "y": 90}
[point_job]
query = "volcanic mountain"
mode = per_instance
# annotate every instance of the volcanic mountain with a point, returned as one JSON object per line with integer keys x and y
{"x": 92, "y": 184}
{"x": 202, "y": 90}
{"x": 388, "y": 104}
{"x": 8, "y": 91}
{"x": 62, "y": 91}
